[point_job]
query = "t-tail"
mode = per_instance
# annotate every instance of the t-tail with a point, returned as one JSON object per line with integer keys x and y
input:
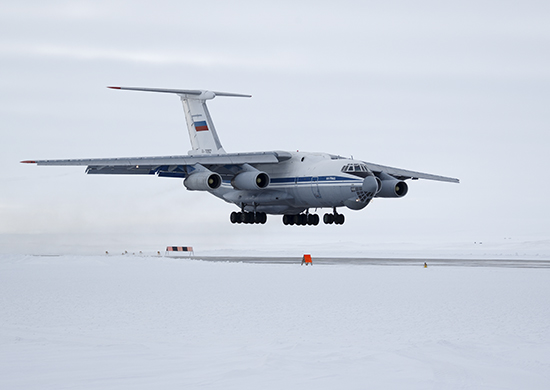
{"x": 202, "y": 133}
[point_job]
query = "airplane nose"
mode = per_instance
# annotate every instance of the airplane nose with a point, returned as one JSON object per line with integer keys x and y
{"x": 370, "y": 184}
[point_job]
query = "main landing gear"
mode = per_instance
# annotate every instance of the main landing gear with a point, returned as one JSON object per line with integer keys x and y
{"x": 301, "y": 219}
{"x": 288, "y": 219}
{"x": 246, "y": 217}
{"x": 313, "y": 219}
{"x": 337, "y": 219}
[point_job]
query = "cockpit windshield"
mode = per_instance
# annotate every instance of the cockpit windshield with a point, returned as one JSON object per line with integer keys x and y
{"x": 357, "y": 169}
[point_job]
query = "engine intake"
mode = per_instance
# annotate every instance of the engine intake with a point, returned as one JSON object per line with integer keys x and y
{"x": 392, "y": 189}
{"x": 203, "y": 181}
{"x": 251, "y": 180}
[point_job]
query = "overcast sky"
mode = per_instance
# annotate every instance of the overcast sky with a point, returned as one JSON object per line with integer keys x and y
{"x": 456, "y": 88}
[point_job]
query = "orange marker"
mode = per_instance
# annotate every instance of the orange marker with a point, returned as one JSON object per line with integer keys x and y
{"x": 307, "y": 260}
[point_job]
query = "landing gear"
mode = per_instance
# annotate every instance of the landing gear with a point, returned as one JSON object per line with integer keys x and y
{"x": 337, "y": 219}
{"x": 246, "y": 217}
{"x": 301, "y": 219}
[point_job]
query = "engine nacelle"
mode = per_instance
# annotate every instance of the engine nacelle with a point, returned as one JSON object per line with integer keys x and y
{"x": 356, "y": 204}
{"x": 392, "y": 189}
{"x": 250, "y": 180}
{"x": 203, "y": 181}
{"x": 371, "y": 185}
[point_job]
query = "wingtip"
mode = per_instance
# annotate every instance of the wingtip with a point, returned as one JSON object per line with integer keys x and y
{"x": 114, "y": 87}
{"x": 28, "y": 162}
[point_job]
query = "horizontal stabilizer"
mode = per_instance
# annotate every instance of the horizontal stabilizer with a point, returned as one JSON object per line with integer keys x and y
{"x": 193, "y": 92}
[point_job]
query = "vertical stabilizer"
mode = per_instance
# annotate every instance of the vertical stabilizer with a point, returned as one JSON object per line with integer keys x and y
{"x": 202, "y": 133}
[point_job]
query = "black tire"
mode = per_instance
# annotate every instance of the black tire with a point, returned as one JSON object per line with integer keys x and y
{"x": 260, "y": 217}
{"x": 290, "y": 219}
{"x": 315, "y": 220}
{"x": 339, "y": 219}
{"x": 234, "y": 217}
{"x": 328, "y": 219}
{"x": 248, "y": 217}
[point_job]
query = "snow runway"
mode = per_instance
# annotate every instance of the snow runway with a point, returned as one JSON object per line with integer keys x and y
{"x": 115, "y": 322}
{"x": 415, "y": 262}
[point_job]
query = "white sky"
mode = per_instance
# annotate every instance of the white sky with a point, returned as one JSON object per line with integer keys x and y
{"x": 452, "y": 88}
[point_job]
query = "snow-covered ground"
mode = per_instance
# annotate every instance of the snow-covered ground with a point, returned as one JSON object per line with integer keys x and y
{"x": 249, "y": 244}
{"x": 132, "y": 322}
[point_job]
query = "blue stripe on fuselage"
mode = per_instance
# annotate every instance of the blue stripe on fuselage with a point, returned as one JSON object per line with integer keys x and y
{"x": 321, "y": 180}
{"x": 307, "y": 179}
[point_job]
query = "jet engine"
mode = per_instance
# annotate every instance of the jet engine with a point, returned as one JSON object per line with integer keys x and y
{"x": 203, "y": 181}
{"x": 250, "y": 180}
{"x": 371, "y": 185}
{"x": 392, "y": 189}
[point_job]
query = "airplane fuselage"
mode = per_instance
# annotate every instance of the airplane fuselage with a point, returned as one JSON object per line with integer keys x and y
{"x": 304, "y": 181}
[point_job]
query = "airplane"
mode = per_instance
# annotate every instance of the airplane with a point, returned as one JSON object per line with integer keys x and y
{"x": 260, "y": 183}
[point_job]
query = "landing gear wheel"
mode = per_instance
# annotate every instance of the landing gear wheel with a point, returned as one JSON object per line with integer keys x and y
{"x": 301, "y": 219}
{"x": 315, "y": 221}
{"x": 260, "y": 217}
{"x": 234, "y": 217}
{"x": 339, "y": 219}
{"x": 248, "y": 217}
{"x": 288, "y": 219}
{"x": 312, "y": 219}
{"x": 328, "y": 219}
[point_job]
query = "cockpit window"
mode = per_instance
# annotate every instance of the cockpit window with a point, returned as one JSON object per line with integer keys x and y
{"x": 357, "y": 169}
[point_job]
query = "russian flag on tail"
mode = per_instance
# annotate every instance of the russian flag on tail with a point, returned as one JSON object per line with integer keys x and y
{"x": 201, "y": 126}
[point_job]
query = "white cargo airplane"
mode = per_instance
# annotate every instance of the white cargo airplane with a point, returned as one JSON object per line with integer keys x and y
{"x": 260, "y": 183}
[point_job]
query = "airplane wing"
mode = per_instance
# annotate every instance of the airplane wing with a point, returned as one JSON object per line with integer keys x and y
{"x": 403, "y": 174}
{"x": 167, "y": 166}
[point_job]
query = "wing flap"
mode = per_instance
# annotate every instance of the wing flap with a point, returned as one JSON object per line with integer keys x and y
{"x": 220, "y": 159}
{"x": 121, "y": 170}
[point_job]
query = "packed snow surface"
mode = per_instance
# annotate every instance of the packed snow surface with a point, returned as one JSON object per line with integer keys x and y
{"x": 131, "y": 322}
